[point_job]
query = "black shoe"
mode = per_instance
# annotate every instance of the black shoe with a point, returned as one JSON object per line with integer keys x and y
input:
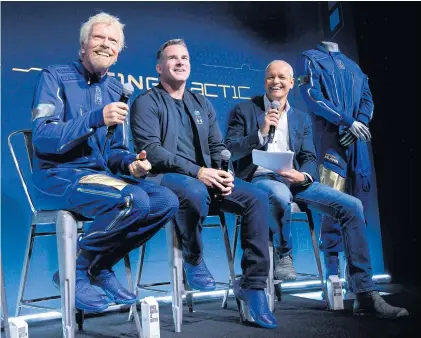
{"x": 372, "y": 303}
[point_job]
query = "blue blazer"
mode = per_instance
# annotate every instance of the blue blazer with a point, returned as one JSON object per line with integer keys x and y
{"x": 242, "y": 137}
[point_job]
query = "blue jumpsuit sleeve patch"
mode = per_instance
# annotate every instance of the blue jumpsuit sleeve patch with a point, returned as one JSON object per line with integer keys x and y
{"x": 43, "y": 110}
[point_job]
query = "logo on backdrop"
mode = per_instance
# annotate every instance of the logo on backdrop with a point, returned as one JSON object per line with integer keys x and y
{"x": 206, "y": 89}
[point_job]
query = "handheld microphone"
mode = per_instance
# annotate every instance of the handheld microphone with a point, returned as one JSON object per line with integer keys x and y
{"x": 127, "y": 92}
{"x": 225, "y": 161}
{"x": 273, "y": 105}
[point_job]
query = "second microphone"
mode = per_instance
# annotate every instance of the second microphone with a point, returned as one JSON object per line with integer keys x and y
{"x": 273, "y": 105}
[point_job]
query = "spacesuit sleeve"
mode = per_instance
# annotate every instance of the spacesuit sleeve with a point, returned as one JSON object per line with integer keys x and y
{"x": 365, "y": 111}
{"x": 51, "y": 135}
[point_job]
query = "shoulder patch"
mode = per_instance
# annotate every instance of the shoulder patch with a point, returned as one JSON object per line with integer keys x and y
{"x": 43, "y": 110}
{"x": 315, "y": 54}
{"x": 60, "y": 68}
{"x": 65, "y": 69}
{"x": 68, "y": 77}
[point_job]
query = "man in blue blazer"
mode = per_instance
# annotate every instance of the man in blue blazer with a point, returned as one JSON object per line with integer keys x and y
{"x": 249, "y": 128}
{"x": 180, "y": 133}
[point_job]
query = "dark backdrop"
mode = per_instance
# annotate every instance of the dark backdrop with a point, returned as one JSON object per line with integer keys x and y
{"x": 387, "y": 40}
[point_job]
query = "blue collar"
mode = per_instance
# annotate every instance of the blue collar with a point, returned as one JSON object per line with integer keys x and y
{"x": 90, "y": 78}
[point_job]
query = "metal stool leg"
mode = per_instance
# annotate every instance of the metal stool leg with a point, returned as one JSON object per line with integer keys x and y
{"x": 189, "y": 301}
{"x": 241, "y": 305}
{"x": 142, "y": 251}
{"x": 278, "y": 292}
{"x": 175, "y": 262}
{"x": 80, "y": 318}
{"x": 234, "y": 249}
{"x": 133, "y": 307}
{"x": 270, "y": 291}
{"x": 317, "y": 256}
{"x": 4, "y": 302}
{"x": 66, "y": 228}
{"x": 224, "y": 230}
{"x": 188, "y": 292}
{"x": 25, "y": 268}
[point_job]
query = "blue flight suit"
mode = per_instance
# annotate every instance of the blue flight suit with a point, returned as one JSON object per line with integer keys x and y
{"x": 336, "y": 92}
{"x": 77, "y": 168}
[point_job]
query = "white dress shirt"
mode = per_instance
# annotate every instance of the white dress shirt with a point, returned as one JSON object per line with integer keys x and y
{"x": 280, "y": 139}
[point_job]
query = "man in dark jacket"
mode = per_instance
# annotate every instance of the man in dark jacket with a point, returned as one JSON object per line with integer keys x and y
{"x": 179, "y": 131}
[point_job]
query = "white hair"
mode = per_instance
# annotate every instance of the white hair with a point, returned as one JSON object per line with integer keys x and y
{"x": 104, "y": 18}
{"x": 291, "y": 71}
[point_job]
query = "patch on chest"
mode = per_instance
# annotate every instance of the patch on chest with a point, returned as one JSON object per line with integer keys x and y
{"x": 340, "y": 64}
{"x": 198, "y": 117}
{"x": 98, "y": 96}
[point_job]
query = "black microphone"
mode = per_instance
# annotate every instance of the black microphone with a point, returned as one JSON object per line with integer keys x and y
{"x": 225, "y": 159}
{"x": 127, "y": 92}
{"x": 225, "y": 162}
{"x": 273, "y": 105}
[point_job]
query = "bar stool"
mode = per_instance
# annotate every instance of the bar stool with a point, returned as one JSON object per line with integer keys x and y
{"x": 300, "y": 213}
{"x": 67, "y": 226}
{"x": 216, "y": 218}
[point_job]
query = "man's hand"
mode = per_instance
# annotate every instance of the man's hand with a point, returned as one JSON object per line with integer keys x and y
{"x": 141, "y": 166}
{"x": 115, "y": 113}
{"x": 292, "y": 175}
{"x": 218, "y": 179}
{"x": 271, "y": 119}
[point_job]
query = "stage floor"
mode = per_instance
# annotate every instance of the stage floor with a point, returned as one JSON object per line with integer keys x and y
{"x": 297, "y": 316}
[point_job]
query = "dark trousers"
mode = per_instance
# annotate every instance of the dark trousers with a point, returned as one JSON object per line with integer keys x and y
{"x": 246, "y": 200}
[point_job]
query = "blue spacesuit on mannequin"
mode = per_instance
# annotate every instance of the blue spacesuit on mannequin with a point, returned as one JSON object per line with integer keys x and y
{"x": 336, "y": 91}
{"x": 78, "y": 168}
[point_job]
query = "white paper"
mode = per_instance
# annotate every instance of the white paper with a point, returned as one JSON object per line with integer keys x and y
{"x": 273, "y": 160}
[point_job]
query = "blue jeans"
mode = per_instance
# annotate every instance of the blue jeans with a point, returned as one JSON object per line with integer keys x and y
{"x": 346, "y": 209}
{"x": 246, "y": 200}
{"x": 280, "y": 199}
{"x": 331, "y": 237}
